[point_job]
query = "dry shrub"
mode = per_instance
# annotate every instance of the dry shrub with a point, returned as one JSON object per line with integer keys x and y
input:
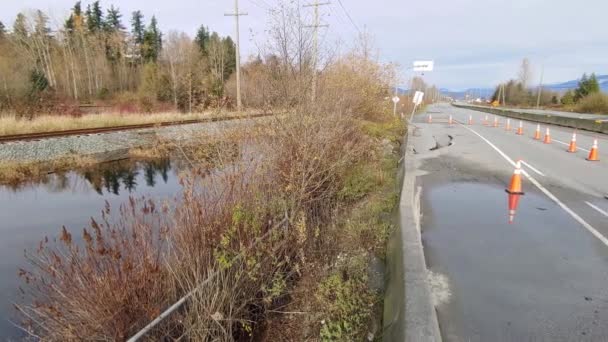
{"x": 593, "y": 103}
{"x": 103, "y": 287}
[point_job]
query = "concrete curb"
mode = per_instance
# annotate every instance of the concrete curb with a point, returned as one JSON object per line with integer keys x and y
{"x": 409, "y": 313}
{"x": 578, "y": 123}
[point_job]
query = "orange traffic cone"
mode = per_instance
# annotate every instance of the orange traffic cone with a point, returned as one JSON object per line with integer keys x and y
{"x": 495, "y": 121}
{"x": 513, "y": 203}
{"x": 520, "y": 129}
{"x": 485, "y": 121}
{"x": 593, "y": 152}
{"x": 547, "y": 137}
{"x": 470, "y": 119}
{"x": 537, "y": 132}
{"x": 572, "y": 147}
{"x": 508, "y": 125}
{"x": 515, "y": 185}
{"x": 450, "y": 121}
{"x": 430, "y": 120}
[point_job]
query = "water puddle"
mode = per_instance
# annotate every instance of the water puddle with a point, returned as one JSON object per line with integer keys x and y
{"x": 541, "y": 277}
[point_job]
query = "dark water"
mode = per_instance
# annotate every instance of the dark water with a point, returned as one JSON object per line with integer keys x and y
{"x": 542, "y": 278}
{"x": 32, "y": 211}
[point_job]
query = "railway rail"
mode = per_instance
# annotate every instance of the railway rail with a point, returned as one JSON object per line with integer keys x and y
{"x": 99, "y": 130}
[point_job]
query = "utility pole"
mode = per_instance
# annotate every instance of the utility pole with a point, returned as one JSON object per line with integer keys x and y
{"x": 236, "y": 15}
{"x": 315, "y": 39}
{"x": 540, "y": 87}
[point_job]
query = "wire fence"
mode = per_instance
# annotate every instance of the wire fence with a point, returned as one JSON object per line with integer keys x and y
{"x": 178, "y": 304}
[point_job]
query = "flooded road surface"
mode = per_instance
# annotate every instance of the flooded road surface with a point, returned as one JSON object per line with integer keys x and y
{"x": 32, "y": 211}
{"x": 542, "y": 278}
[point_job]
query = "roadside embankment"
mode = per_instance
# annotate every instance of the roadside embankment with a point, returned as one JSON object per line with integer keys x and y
{"x": 588, "y": 122}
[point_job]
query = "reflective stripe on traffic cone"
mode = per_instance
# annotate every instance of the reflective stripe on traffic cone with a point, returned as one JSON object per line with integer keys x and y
{"x": 593, "y": 152}
{"x": 515, "y": 185}
{"x": 470, "y": 119}
{"x": 572, "y": 147}
{"x": 430, "y": 119}
{"x": 495, "y": 121}
{"x": 450, "y": 121}
{"x": 508, "y": 125}
{"x": 537, "y": 132}
{"x": 520, "y": 130}
{"x": 547, "y": 137}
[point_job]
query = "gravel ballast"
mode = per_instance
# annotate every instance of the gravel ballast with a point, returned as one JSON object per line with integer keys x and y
{"x": 107, "y": 146}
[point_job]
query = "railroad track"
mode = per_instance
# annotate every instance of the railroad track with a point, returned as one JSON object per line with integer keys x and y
{"x": 98, "y": 130}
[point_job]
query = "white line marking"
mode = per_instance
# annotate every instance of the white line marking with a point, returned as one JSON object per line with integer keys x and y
{"x": 549, "y": 194}
{"x": 563, "y": 143}
{"x": 597, "y": 208}
{"x": 532, "y": 168}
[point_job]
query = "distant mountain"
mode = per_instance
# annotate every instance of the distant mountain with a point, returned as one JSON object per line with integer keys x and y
{"x": 472, "y": 93}
{"x": 571, "y": 85}
{"x": 488, "y": 92}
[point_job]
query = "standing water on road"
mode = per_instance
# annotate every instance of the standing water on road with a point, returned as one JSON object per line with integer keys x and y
{"x": 29, "y": 212}
{"x": 542, "y": 278}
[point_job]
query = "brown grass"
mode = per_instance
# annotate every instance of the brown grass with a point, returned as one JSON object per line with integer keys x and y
{"x": 49, "y": 123}
{"x": 17, "y": 174}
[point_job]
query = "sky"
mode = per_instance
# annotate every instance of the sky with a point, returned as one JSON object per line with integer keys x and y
{"x": 474, "y": 43}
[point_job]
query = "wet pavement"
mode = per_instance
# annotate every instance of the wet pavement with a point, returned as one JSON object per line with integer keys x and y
{"x": 542, "y": 278}
{"x": 533, "y": 280}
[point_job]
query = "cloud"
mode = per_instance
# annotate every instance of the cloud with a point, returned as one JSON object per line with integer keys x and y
{"x": 475, "y": 43}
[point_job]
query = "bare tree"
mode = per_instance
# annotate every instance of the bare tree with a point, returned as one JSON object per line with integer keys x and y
{"x": 525, "y": 73}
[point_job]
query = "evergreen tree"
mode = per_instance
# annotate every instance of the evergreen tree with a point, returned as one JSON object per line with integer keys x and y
{"x": 593, "y": 85}
{"x": 77, "y": 9}
{"x": 230, "y": 50}
{"x": 153, "y": 42}
{"x": 112, "y": 23}
{"x": 567, "y": 98}
{"x": 137, "y": 27}
{"x": 94, "y": 17}
{"x": 581, "y": 91}
{"x": 41, "y": 24}
{"x": 2, "y": 30}
{"x": 20, "y": 27}
{"x": 74, "y": 21}
{"x": 202, "y": 40}
{"x": 586, "y": 86}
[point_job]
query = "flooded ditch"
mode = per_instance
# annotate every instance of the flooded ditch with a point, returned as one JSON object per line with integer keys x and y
{"x": 31, "y": 211}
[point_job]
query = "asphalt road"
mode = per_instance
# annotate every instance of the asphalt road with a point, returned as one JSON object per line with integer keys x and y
{"x": 545, "y": 276}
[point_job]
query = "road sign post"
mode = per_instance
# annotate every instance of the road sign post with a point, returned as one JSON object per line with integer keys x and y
{"x": 395, "y": 100}
{"x": 417, "y": 100}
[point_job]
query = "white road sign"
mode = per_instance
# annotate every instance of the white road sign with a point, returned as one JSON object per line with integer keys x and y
{"x": 423, "y": 65}
{"x": 418, "y": 98}
{"x": 396, "y": 99}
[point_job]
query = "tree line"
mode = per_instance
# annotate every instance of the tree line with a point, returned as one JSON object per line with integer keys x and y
{"x": 516, "y": 92}
{"x": 93, "y": 56}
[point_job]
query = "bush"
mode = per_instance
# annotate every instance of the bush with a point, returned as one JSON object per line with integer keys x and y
{"x": 593, "y": 103}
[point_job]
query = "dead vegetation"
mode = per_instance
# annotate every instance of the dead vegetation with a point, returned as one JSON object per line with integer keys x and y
{"x": 15, "y": 174}
{"x": 273, "y": 244}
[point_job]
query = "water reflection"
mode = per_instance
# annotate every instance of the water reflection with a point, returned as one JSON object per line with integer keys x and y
{"x": 111, "y": 177}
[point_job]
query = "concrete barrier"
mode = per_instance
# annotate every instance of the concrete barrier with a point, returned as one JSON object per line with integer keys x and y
{"x": 592, "y": 125}
{"x": 409, "y": 313}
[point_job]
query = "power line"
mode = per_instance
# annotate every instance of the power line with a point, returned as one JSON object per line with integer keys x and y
{"x": 349, "y": 17}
